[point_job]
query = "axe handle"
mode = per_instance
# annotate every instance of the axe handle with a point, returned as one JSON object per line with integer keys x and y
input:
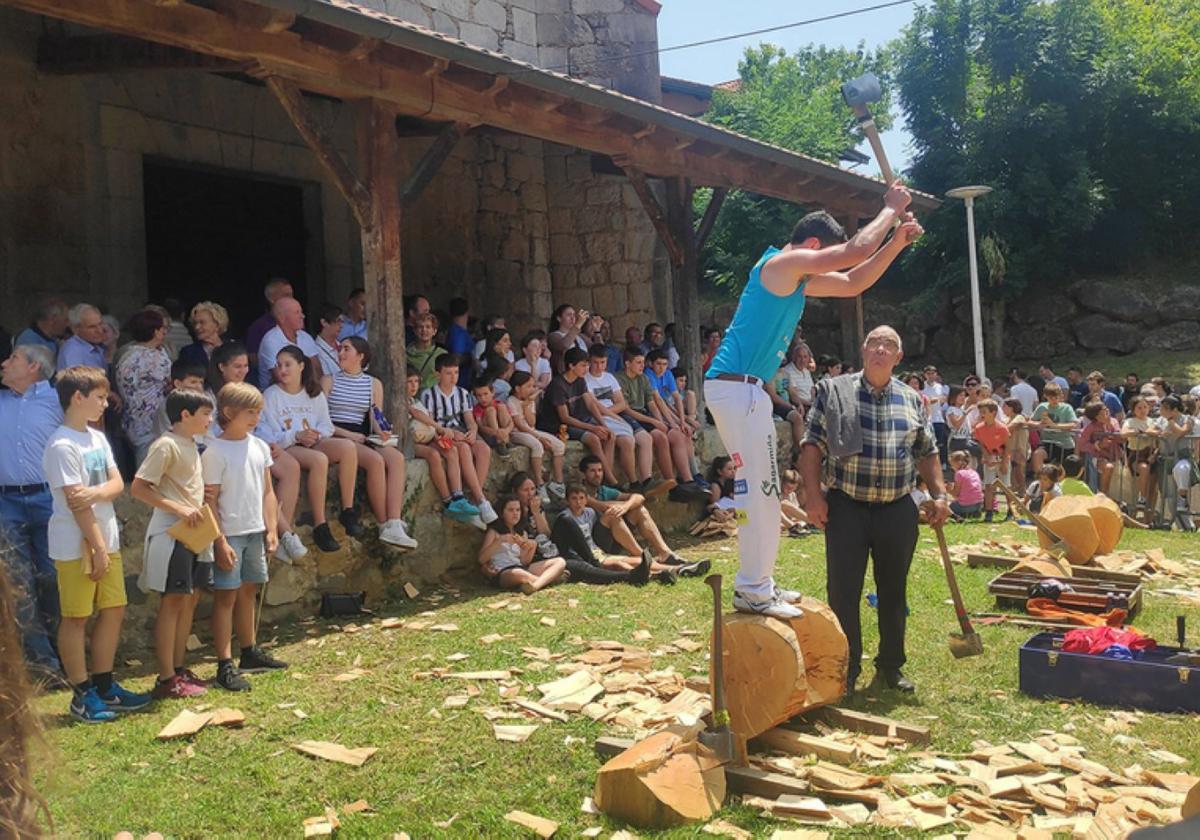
{"x": 964, "y": 621}
{"x": 720, "y": 715}
{"x": 872, "y": 131}
{"x": 1015, "y": 500}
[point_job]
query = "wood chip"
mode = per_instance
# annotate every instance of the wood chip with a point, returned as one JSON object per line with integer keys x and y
{"x": 491, "y": 638}
{"x": 456, "y": 701}
{"x": 193, "y": 642}
{"x": 540, "y": 826}
{"x": 184, "y": 724}
{"x": 444, "y": 628}
{"x": 359, "y": 806}
{"x": 1166, "y": 757}
{"x": 391, "y": 623}
{"x": 546, "y": 621}
{"x": 539, "y": 709}
{"x": 799, "y": 834}
{"x": 228, "y": 717}
{"x": 336, "y": 752}
{"x": 513, "y": 732}
{"x": 480, "y": 675}
{"x": 411, "y": 591}
{"x": 351, "y": 675}
{"x": 641, "y": 635}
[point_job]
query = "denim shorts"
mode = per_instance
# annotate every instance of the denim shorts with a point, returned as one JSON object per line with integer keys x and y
{"x": 249, "y": 563}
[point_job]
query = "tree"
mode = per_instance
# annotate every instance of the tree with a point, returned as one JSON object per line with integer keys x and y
{"x": 793, "y": 101}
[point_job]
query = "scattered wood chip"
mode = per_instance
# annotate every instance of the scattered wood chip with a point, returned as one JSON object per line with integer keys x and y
{"x": 299, "y": 714}
{"x": 444, "y": 628}
{"x": 228, "y": 717}
{"x": 457, "y": 657}
{"x": 513, "y": 732}
{"x": 411, "y": 591}
{"x": 194, "y": 643}
{"x": 546, "y": 621}
{"x": 480, "y": 675}
{"x": 329, "y": 751}
{"x": 721, "y": 828}
{"x": 318, "y": 827}
{"x": 641, "y": 635}
{"x": 491, "y": 638}
{"x": 589, "y": 806}
{"x": 540, "y": 826}
{"x": 391, "y": 623}
{"x": 539, "y": 709}
{"x": 456, "y": 701}
{"x": 351, "y": 675}
{"x": 1165, "y": 756}
{"x": 357, "y": 807}
{"x": 594, "y": 831}
{"x": 184, "y": 724}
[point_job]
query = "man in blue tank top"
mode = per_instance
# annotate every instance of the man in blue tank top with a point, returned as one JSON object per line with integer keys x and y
{"x": 819, "y": 261}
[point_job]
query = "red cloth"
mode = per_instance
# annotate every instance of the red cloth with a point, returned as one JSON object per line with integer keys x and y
{"x": 1096, "y": 640}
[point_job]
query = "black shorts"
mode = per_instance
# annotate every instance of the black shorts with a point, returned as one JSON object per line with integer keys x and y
{"x": 185, "y": 573}
{"x": 783, "y": 413}
{"x": 1055, "y": 452}
{"x": 604, "y": 541}
{"x": 634, "y": 424}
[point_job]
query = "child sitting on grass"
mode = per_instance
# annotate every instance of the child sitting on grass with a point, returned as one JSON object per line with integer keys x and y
{"x": 84, "y": 541}
{"x": 510, "y": 559}
{"x": 171, "y": 481}
{"x": 966, "y": 487}
{"x": 1044, "y": 488}
{"x": 492, "y": 417}
{"x": 920, "y": 495}
{"x": 587, "y": 519}
{"x": 1073, "y": 483}
{"x": 793, "y": 519}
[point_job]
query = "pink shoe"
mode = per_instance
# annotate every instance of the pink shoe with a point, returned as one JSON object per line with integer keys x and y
{"x": 177, "y": 688}
{"x": 189, "y": 676}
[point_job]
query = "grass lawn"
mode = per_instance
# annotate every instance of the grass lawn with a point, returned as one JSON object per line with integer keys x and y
{"x": 436, "y": 764}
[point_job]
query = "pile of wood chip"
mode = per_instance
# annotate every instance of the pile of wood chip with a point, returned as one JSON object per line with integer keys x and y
{"x": 1152, "y": 562}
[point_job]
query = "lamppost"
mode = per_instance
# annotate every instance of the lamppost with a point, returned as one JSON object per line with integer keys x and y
{"x": 968, "y": 195}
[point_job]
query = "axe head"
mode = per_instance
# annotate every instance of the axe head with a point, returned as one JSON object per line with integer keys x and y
{"x": 721, "y": 742}
{"x": 861, "y": 92}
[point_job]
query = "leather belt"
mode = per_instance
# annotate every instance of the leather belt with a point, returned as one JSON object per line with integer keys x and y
{"x": 22, "y": 489}
{"x": 739, "y": 377}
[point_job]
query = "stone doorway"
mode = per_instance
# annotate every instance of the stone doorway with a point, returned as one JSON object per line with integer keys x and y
{"x": 217, "y": 234}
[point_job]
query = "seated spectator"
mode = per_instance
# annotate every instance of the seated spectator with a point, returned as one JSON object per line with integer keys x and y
{"x": 452, "y": 410}
{"x": 579, "y": 516}
{"x": 722, "y": 507}
{"x": 1017, "y": 448}
{"x": 777, "y": 391}
{"x": 1175, "y": 450}
{"x": 992, "y": 437}
{"x": 522, "y": 408}
{"x": 490, "y": 322}
{"x": 691, "y": 419}
{"x": 1044, "y": 488}
{"x": 510, "y": 559}
{"x": 635, "y": 447}
{"x": 143, "y": 379}
{"x": 569, "y": 410}
{"x": 828, "y": 367}
{"x": 623, "y": 513}
{"x": 493, "y": 418}
{"x": 209, "y": 322}
{"x": 355, "y": 321}
{"x": 1073, "y": 483}
{"x": 965, "y": 487}
{"x": 49, "y": 325}
{"x": 653, "y": 339}
{"x": 178, "y": 336}
{"x": 288, "y": 331}
{"x": 459, "y": 341}
{"x": 1162, "y": 388}
{"x": 658, "y": 371}
{"x": 1097, "y": 391}
{"x": 1142, "y": 433}
{"x": 329, "y": 328}
{"x": 710, "y": 342}
{"x": 85, "y": 347}
{"x": 533, "y": 363}
{"x": 1076, "y": 392}
{"x": 275, "y": 289}
{"x": 185, "y": 377}
{"x": 1056, "y": 424}
{"x": 296, "y": 418}
{"x": 422, "y": 354}
{"x": 354, "y": 398}
{"x": 1099, "y": 443}
{"x": 566, "y": 324}
{"x": 435, "y": 445}
{"x": 616, "y": 352}
{"x": 793, "y": 518}
{"x": 499, "y": 375}
{"x": 414, "y": 305}
{"x": 496, "y": 342}
{"x": 112, "y": 336}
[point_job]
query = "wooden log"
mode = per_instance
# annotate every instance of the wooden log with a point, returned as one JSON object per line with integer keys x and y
{"x": 776, "y": 669}
{"x": 1073, "y": 526}
{"x": 665, "y": 780}
{"x": 1105, "y": 514}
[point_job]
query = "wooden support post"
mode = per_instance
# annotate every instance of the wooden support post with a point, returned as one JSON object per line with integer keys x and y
{"x": 431, "y": 162}
{"x": 685, "y": 277}
{"x": 658, "y": 217}
{"x": 379, "y": 165}
{"x": 851, "y": 310}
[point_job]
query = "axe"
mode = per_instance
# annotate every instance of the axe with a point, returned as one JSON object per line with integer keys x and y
{"x": 719, "y": 738}
{"x": 859, "y": 93}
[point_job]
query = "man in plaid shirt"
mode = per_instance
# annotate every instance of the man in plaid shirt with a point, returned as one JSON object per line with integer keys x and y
{"x": 867, "y": 439}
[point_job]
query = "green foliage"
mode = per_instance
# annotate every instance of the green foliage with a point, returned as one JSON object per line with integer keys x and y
{"x": 793, "y": 101}
{"x": 1084, "y": 115}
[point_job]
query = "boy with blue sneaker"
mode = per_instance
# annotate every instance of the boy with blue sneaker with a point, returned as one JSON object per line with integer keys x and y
{"x": 84, "y": 541}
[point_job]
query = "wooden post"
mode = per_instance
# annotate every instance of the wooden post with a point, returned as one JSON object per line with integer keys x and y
{"x": 851, "y": 313}
{"x": 379, "y": 168}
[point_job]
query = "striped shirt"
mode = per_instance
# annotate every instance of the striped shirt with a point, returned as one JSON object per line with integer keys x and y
{"x": 448, "y": 410}
{"x": 350, "y": 398}
{"x": 896, "y": 435}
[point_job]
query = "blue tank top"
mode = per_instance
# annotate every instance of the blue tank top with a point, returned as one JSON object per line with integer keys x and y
{"x": 763, "y": 325}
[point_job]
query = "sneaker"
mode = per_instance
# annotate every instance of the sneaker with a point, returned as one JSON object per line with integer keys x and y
{"x": 349, "y": 520}
{"x": 502, "y": 450}
{"x": 323, "y": 537}
{"x": 477, "y": 522}
{"x": 176, "y": 688}
{"x": 393, "y": 533}
{"x": 700, "y": 567}
{"x": 557, "y": 489}
{"x": 190, "y": 676}
{"x": 772, "y": 606}
{"x": 669, "y": 576}
{"x": 230, "y": 678}
{"x": 255, "y": 660}
{"x": 290, "y": 548}
{"x": 653, "y": 487}
{"x": 687, "y": 493}
{"x": 119, "y": 699}
{"x": 788, "y": 596}
{"x": 89, "y": 708}
{"x": 486, "y": 512}
{"x": 543, "y": 495}
{"x": 641, "y": 575}
{"x": 460, "y": 510}
{"x": 701, "y": 482}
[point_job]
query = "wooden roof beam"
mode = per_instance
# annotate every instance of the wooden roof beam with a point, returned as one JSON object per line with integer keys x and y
{"x": 94, "y": 54}
{"x": 271, "y": 21}
{"x": 654, "y": 210}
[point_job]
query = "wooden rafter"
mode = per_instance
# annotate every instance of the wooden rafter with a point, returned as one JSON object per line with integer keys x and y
{"x": 92, "y": 54}
{"x": 654, "y": 210}
{"x": 430, "y": 163}
{"x": 710, "y": 216}
{"x": 344, "y": 179}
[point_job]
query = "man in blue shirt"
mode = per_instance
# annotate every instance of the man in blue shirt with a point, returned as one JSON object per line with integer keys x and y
{"x": 459, "y": 341}
{"x": 49, "y": 324}
{"x": 86, "y": 346}
{"x": 1097, "y": 391}
{"x": 355, "y": 322}
{"x": 29, "y": 414}
{"x": 814, "y": 262}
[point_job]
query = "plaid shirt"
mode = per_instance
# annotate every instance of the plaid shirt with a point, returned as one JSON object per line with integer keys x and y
{"x": 896, "y": 435}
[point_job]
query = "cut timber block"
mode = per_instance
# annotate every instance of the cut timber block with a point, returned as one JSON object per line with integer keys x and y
{"x": 1105, "y": 514}
{"x": 665, "y": 780}
{"x": 776, "y": 669}
{"x": 872, "y": 724}
{"x": 1074, "y": 526}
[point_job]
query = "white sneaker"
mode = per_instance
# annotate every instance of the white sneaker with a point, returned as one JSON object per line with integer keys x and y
{"x": 477, "y": 522}
{"x": 772, "y": 606}
{"x": 486, "y": 512}
{"x": 290, "y": 548}
{"x": 544, "y": 495}
{"x": 788, "y": 596}
{"x": 557, "y": 488}
{"x": 393, "y": 533}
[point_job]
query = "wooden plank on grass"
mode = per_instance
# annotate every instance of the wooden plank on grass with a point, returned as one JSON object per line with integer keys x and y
{"x": 871, "y": 724}
{"x": 185, "y": 724}
{"x": 540, "y": 826}
{"x": 797, "y": 743}
{"x": 336, "y": 752}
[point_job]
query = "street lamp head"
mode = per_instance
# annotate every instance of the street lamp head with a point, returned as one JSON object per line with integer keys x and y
{"x": 968, "y": 192}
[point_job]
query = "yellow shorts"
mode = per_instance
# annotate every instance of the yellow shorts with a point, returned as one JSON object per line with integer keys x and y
{"x": 79, "y": 596}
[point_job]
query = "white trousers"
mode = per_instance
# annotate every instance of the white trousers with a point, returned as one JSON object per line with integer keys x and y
{"x": 745, "y": 420}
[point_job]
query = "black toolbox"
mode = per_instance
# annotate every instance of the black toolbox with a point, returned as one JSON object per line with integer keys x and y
{"x": 1149, "y": 683}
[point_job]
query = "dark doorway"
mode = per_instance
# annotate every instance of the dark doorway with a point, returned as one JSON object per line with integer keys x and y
{"x": 215, "y": 235}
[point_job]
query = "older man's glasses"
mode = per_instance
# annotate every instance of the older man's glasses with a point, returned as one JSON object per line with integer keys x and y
{"x": 883, "y": 343}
